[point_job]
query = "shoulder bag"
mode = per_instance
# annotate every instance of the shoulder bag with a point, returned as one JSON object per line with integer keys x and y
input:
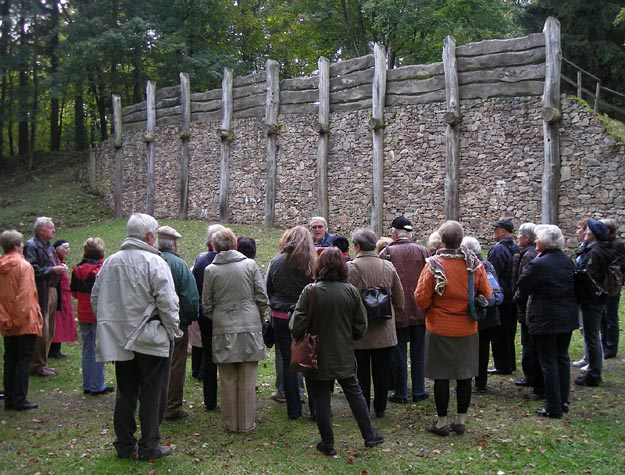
{"x": 477, "y": 305}
{"x": 304, "y": 349}
{"x": 376, "y": 299}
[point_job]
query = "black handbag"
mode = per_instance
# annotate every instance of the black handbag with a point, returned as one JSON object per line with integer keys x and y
{"x": 376, "y": 299}
{"x": 269, "y": 337}
{"x": 586, "y": 288}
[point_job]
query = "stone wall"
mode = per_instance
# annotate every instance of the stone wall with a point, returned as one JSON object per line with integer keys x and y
{"x": 500, "y": 168}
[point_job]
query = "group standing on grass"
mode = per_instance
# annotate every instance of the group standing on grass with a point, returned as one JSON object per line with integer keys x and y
{"x": 447, "y": 303}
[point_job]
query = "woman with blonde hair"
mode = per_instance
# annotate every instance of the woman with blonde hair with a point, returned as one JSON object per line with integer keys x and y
{"x": 288, "y": 273}
{"x": 234, "y": 299}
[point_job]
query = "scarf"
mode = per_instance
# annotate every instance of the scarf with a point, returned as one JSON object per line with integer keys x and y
{"x": 435, "y": 264}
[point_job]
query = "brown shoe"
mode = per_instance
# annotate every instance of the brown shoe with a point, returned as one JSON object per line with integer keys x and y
{"x": 181, "y": 414}
{"x": 442, "y": 431}
{"x": 457, "y": 428}
{"x": 43, "y": 372}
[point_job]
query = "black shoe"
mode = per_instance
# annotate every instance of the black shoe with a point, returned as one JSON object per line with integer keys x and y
{"x": 25, "y": 406}
{"x": 106, "y": 390}
{"x": 379, "y": 414}
{"x": 521, "y": 382}
{"x": 499, "y": 371}
{"x": 1, "y": 394}
{"x": 541, "y": 411}
{"x": 397, "y": 400}
{"x": 58, "y": 356}
{"x": 607, "y": 356}
{"x": 329, "y": 451}
{"x": 565, "y": 408}
{"x": 377, "y": 439}
{"x": 212, "y": 407}
{"x": 586, "y": 381}
{"x": 163, "y": 451}
{"x": 533, "y": 396}
{"x": 420, "y": 397}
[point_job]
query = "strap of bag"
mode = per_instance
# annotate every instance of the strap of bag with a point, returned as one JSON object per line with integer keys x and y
{"x": 363, "y": 279}
{"x": 312, "y": 308}
{"x": 471, "y": 289}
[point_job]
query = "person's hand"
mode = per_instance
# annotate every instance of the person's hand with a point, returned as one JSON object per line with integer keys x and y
{"x": 58, "y": 270}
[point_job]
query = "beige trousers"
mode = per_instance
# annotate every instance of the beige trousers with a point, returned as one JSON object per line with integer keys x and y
{"x": 43, "y": 342}
{"x": 238, "y": 395}
{"x": 178, "y": 372}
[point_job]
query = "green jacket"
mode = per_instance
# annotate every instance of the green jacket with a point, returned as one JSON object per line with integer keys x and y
{"x": 186, "y": 289}
{"x": 340, "y": 319}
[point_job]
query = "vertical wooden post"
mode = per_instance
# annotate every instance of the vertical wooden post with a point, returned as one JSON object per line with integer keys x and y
{"x": 185, "y": 102}
{"x": 323, "y": 204}
{"x": 272, "y": 128}
{"x": 597, "y": 93}
{"x": 377, "y": 116}
{"x": 226, "y": 137}
{"x": 91, "y": 169}
{"x": 453, "y": 118}
{"x": 150, "y": 130}
{"x": 579, "y": 84}
{"x": 119, "y": 154}
{"x": 551, "y": 121}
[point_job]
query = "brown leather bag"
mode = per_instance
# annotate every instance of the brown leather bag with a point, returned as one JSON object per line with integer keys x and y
{"x": 304, "y": 349}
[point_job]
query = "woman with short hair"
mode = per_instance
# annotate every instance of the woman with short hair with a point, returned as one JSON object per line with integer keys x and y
{"x": 20, "y": 320}
{"x": 339, "y": 318}
{"x": 546, "y": 288}
{"x": 234, "y": 299}
{"x": 451, "y": 338}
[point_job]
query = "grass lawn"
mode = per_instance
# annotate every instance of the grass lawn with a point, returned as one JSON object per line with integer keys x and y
{"x": 72, "y": 433}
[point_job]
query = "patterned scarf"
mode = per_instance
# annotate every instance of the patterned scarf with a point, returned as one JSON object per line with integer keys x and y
{"x": 436, "y": 264}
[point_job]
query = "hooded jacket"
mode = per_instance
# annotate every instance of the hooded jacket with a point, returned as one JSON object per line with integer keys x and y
{"x": 83, "y": 279}
{"x": 19, "y": 304}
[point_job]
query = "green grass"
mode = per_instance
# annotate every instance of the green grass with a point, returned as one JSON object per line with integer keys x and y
{"x": 71, "y": 433}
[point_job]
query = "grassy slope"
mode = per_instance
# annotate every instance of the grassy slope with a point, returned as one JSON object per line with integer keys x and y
{"x": 71, "y": 433}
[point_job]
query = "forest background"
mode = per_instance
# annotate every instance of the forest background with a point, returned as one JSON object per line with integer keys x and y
{"x": 61, "y": 60}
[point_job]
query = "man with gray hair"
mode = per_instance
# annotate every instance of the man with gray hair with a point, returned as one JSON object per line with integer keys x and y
{"x": 41, "y": 255}
{"x": 409, "y": 260}
{"x": 184, "y": 283}
{"x": 533, "y": 376}
{"x": 136, "y": 306}
{"x": 319, "y": 229}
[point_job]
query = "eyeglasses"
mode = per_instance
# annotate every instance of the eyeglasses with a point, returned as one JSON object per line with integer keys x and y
{"x": 317, "y": 226}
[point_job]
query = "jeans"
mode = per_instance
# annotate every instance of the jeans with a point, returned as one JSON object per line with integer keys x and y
{"x": 321, "y": 391}
{"x": 18, "y": 356}
{"x": 553, "y": 353}
{"x": 375, "y": 364}
{"x": 280, "y": 374}
{"x": 609, "y": 326}
{"x": 414, "y": 335}
{"x": 291, "y": 387}
{"x": 592, "y": 313}
{"x": 92, "y": 371}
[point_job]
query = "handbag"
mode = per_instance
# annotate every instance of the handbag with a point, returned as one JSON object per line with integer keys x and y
{"x": 269, "y": 337}
{"x": 586, "y": 288}
{"x": 376, "y": 299}
{"x": 478, "y": 305}
{"x": 304, "y": 349}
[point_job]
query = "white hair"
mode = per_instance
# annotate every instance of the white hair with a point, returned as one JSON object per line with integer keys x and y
{"x": 472, "y": 243}
{"x": 550, "y": 235}
{"x": 528, "y": 230}
{"x": 140, "y": 225}
{"x": 319, "y": 218}
{"x": 40, "y": 222}
{"x": 212, "y": 229}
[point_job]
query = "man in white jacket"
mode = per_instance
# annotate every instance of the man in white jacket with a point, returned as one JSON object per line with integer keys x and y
{"x": 136, "y": 307}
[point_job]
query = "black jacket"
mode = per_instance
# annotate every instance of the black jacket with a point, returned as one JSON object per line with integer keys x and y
{"x": 596, "y": 257}
{"x": 283, "y": 285}
{"x": 546, "y": 286}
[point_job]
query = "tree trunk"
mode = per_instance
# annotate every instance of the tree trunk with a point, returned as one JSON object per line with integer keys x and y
{"x": 80, "y": 133}
{"x": 4, "y": 50}
{"x": 23, "y": 107}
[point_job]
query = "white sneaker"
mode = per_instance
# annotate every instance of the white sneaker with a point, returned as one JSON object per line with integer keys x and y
{"x": 580, "y": 363}
{"x": 584, "y": 369}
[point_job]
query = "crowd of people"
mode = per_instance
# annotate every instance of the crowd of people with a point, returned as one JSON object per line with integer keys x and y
{"x": 438, "y": 310}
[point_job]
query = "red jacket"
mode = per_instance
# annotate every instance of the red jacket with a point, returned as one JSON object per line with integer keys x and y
{"x": 83, "y": 278}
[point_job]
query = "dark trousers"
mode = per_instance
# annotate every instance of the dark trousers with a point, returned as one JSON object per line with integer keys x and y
{"x": 553, "y": 353}
{"x": 530, "y": 362}
{"x": 591, "y": 315}
{"x": 504, "y": 353}
{"x": 196, "y": 362}
{"x": 609, "y": 326}
{"x": 291, "y": 386}
{"x": 416, "y": 337}
{"x": 375, "y": 364}
{"x": 175, "y": 391}
{"x": 18, "y": 357}
{"x": 209, "y": 369}
{"x": 321, "y": 391}
{"x": 143, "y": 381}
{"x": 441, "y": 396}
{"x": 486, "y": 336}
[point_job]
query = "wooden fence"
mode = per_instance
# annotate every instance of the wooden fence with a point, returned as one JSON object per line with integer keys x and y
{"x": 526, "y": 66}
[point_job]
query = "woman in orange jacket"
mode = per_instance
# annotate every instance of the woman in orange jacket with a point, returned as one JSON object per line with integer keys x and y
{"x": 451, "y": 338}
{"x": 20, "y": 320}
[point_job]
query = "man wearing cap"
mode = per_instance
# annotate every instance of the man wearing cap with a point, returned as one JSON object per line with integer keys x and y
{"x": 409, "y": 260}
{"x": 136, "y": 308}
{"x": 595, "y": 260}
{"x": 41, "y": 255}
{"x": 186, "y": 289}
{"x": 502, "y": 256}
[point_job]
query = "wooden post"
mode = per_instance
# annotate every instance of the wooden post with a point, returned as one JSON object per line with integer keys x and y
{"x": 185, "y": 102}
{"x": 377, "y": 115}
{"x": 91, "y": 169}
{"x": 272, "y": 127}
{"x": 226, "y": 137}
{"x": 597, "y": 93}
{"x": 119, "y": 154}
{"x": 323, "y": 204}
{"x": 150, "y": 130}
{"x": 452, "y": 134}
{"x": 579, "y": 84}
{"x": 551, "y": 130}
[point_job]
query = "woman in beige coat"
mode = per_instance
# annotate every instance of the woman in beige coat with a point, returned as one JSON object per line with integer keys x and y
{"x": 374, "y": 351}
{"x": 234, "y": 298}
